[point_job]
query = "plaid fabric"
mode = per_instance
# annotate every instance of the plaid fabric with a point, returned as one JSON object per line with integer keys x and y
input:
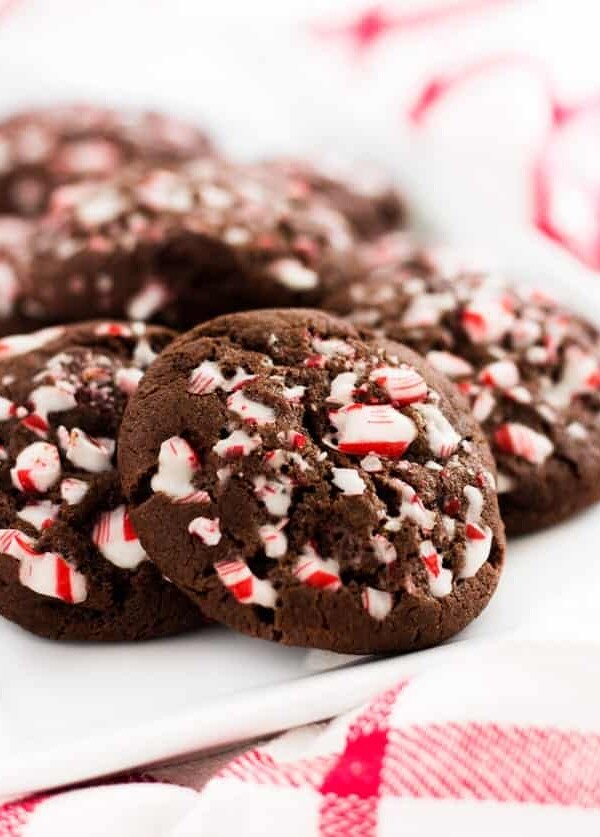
{"x": 509, "y": 744}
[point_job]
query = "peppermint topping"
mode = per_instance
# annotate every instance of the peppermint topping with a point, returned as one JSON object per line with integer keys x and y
{"x": 312, "y": 570}
{"x": 177, "y": 464}
{"x": 384, "y": 550}
{"x": 522, "y": 441}
{"x": 238, "y": 443}
{"x": 116, "y": 539}
{"x": 501, "y": 374}
{"x": 276, "y": 493}
{"x": 448, "y": 364}
{"x": 440, "y": 578}
{"x": 207, "y": 378}
{"x": 333, "y": 347}
{"x": 148, "y": 301}
{"x": 412, "y": 507}
{"x": 581, "y": 374}
{"x": 73, "y": 491}
{"x": 206, "y": 529}
{"x": 443, "y": 439}
{"x": 483, "y": 406}
{"x": 487, "y": 319}
{"x": 41, "y": 514}
{"x": 46, "y": 573}
{"x": 294, "y": 275}
{"x": 86, "y": 452}
{"x": 18, "y": 344}
{"x": 378, "y": 429}
{"x": 249, "y": 410}
{"x": 349, "y": 481}
{"x": 37, "y": 468}
{"x": 479, "y": 537}
{"x": 243, "y": 585}
{"x": 377, "y": 603}
{"x": 427, "y": 310}
{"x": 403, "y": 384}
{"x": 343, "y": 388}
{"x": 273, "y": 538}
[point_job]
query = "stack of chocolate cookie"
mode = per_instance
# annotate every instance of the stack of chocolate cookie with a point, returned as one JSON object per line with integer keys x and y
{"x": 297, "y": 475}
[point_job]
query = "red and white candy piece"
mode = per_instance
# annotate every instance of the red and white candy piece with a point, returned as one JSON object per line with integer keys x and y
{"x": 501, "y": 374}
{"x": 238, "y": 443}
{"x": 165, "y": 191}
{"x": 412, "y": 507}
{"x": 332, "y": 347}
{"x": 403, "y": 384}
{"x": 483, "y": 406}
{"x": 487, "y": 319}
{"x": 243, "y": 585}
{"x": 384, "y": 550}
{"x": 128, "y": 379}
{"x": 207, "y": 529}
{"x": 441, "y": 436}
{"x": 177, "y": 464}
{"x": 9, "y": 410}
{"x": 274, "y": 540}
{"x": 207, "y": 378}
{"x": 371, "y": 464}
{"x": 349, "y": 481}
{"x": 72, "y": 490}
{"x": 342, "y": 388}
{"x": 311, "y": 569}
{"x": 426, "y": 310}
{"x": 148, "y": 300}
{"x": 479, "y": 537}
{"x": 45, "y": 400}
{"x": 581, "y": 374}
{"x": 379, "y": 429}
{"x": 113, "y": 330}
{"x": 448, "y": 364}
{"x": 18, "y": 344}
{"x": 37, "y": 468}
{"x": 117, "y": 540}
{"x": 523, "y": 441}
{"x": 46, "y": 573}
{"x": 252, "y": 412}
{"x": 40, "y": 514}
{"x": 294, "y": 275}
{"x": 86, "y": 452}
{"x": 99, "y": 206}
{"x": 88, "y": 157}
{"x": 440, "y": 578}
{"x": 377, "y": 603}
{"x": 276, "y": 493}
{"x": 9, "y": 288}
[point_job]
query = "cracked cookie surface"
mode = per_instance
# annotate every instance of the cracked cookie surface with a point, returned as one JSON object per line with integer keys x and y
{"x": 306, "y": 486}
{"x": 71, "y": 565}
{"x": 529, "y": 366}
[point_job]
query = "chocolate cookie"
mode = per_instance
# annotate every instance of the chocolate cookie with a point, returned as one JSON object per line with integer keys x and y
{"x": 71, "y": 566}
{"x": 41, "y": 149}
{"x": 304, "y": 486}
{"x": 14, "y": 235}
{"x": 179, "y": 246}
{"x": 530, "y": 367}
{"x": 372, "y": 206}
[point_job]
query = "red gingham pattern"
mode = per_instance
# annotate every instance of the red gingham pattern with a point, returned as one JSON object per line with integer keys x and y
{"x": 415, "y": 743}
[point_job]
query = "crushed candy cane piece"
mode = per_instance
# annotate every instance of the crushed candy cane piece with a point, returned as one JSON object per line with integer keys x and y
{"x": 115, "y": 537}
{"x": 207, "y": 529}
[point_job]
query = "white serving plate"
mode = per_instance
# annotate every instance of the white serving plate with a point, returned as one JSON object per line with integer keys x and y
{"x": 70, "y": 712}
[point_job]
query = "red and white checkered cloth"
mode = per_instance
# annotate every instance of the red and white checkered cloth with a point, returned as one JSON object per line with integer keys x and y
{"x": 502, "y": 743}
